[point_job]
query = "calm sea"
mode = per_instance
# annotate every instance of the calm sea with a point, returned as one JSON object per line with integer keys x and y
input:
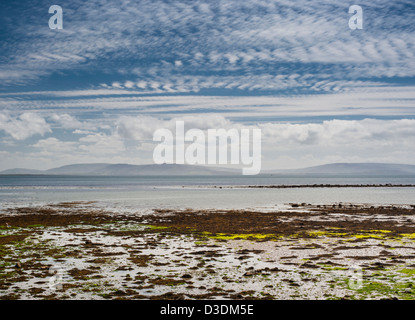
{"x": 139, "y": 194}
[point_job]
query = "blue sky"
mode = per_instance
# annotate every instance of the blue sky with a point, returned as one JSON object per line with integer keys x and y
{"x": 96, "y": 90}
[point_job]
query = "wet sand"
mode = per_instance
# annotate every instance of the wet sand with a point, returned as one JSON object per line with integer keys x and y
{"x": 76, "y": 251}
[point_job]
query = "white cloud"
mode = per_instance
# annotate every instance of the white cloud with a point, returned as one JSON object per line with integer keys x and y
{"x": 352, "y": 99}
{"x": 117, "y": 85}
{"x": 26, "y": 125}
{"x": 291, "y": 145}
{"x": 342, "y": 132}
{"x": 377, "y": 133}
{"x": 142, "y": 84}
{"x": 54, "y": 146}
{"x": 138, "y": 128}
{"x": 284, "y": 144}
{"x": 143, "y": 127}
{"x": 202, "y": 122}
{"x": 129, "y": 84}
{"x": 102, "y": 144}
{"x": 185, "y": 47}
{"x": 83, "y": 132}
{"x": 93, "y": 145}
{"x": 229, "y": 34}
{"x": 76, "y": 93}
{"x": 67, "y": 121}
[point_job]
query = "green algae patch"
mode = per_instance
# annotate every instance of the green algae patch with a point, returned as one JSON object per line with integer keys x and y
{"x": 127, "y": 227}
{"x": 223, "y": 236}
{"x": 386, "y": 284}
{"x": 331, "y": 268}
{"x": 332, "y": 233}
{"x": 373, "y": 234}
{"x": 217, "y": 236}
{"x": 151, "y": 227}
{"x": 368, "y": 236}
{"x": 327, "y": 233}
{"x": 243, "y": 236}
{"x": 361, "y": 234}
{"x": 380, "y": 289}
{"x": 375, "y": 288}
{"x": 408, "y": 272}
{"x": 408, "y": 235}
{"x": 35, "y": 226}
{"x": 380, "y": 231}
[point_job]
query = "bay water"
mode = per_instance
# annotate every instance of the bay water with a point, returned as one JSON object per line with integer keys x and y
{"x": 143, "y": 193}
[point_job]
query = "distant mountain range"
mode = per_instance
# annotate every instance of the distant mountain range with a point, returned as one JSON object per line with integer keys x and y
{"x": 105, "y": 169}
{"x": 358, "y": 168}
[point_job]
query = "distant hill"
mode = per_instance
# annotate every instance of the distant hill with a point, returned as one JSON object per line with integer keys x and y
{"x": 105, "y": 169}
{"x": 21, "y": 171}
{"x": 77, "y": 169}
{"x": 358, "y": 168}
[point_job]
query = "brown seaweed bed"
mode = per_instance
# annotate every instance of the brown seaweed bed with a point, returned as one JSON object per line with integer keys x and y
{"x": 76, "y": 251}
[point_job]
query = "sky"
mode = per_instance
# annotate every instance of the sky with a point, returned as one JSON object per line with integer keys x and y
{"x": 98, "y": 89}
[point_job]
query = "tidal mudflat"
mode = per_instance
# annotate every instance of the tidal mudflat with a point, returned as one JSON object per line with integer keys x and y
{"x": 338, "y": 251}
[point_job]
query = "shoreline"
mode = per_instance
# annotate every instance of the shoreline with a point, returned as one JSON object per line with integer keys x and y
{"x": 74, "y": 250}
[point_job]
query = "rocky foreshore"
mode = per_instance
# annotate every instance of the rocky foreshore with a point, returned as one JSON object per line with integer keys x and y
{"x": 76, "y": 251}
